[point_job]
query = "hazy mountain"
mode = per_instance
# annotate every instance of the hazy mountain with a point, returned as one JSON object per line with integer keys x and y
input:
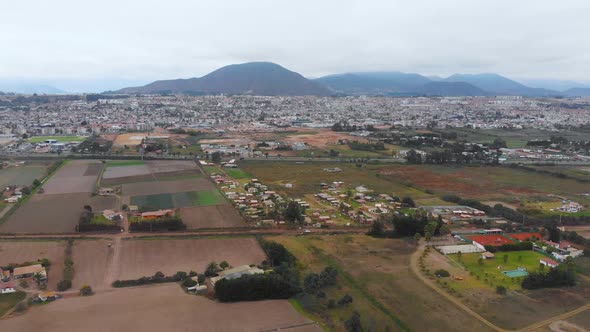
{"x": 254, "y": 78}
{"x": 29, "y": 88}
{"x": 558, "y": 85}
{"x": 577, "y": 92}
{"x": 450, "y": 89}
{"x": 500, "y": 85}
{"x": 373, "y": 82}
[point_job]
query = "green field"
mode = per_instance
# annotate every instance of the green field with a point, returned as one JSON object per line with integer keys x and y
{"x": 489, "y": 273}
{"x": 121, "y": 163}
{"x": 22, "y": 175}
{"x": 8, "y": 301}
{"x": 237, "y": 173}
{"x": 39, "y": 139}
{"x": 178, "y": 200}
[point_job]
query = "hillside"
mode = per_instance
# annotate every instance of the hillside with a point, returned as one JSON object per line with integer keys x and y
{"x": 500, "y": 85}
{"x": 450, "y": 89}
{"x": 253, "y": 78}
{"x": 577, "y": 92}
{"x": 373, "y": 83}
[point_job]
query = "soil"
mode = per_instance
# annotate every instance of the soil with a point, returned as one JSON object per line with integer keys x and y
{"x": 216, "y": 216}
{"x": 152, "y": 188}
{"x": 158, "y": 308}
{"x": 72, "y": 178}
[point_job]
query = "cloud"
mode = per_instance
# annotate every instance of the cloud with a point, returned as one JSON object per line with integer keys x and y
{"x": 147, "y": 40}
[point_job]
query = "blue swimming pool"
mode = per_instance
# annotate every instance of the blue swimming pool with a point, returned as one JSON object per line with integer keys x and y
{"x": 516, "y": 273}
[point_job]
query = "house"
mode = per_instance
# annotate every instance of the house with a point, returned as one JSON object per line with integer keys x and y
{"x": 29, "y": 271}
{"x": 7, "y": 287}
{"x": 487, "y": 255}
{"x": 549, "y": 262}
{"x": 157, "y": 214}
{"x": 106, "y": 191}
{"x": 112, "y": 215}
{"x": 235, "y": 273}
{"x": 48, "y": 296}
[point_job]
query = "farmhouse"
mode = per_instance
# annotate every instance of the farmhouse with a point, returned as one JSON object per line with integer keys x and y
{"x": 106, "y": 191}
{"x": 157, "y": 214}
{"x": 487, "y": 255}
{"x": 7, "y": 288}
{"x": 235, "y": 273}
{"x": 112, "y": 215}
{"x": 549, "y": 262}
{"x": 29, "y": 271}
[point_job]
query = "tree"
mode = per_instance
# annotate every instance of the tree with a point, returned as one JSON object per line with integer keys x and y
{"x": 505, "y": 258}
{"x": 377, "y": 228}
{"x": 293, "y": 212}
{"x": 444, "y": 230}
{"x": 216, "y": 157}
{"x": 408, "y": 201}
{"x": 353, "y": 324}
{"x": 212, "y": 269}
{"x": 500, "y": 290}
{"x": 413, "y": 157}
{"x": 480, "y": 261}
{"x": 64, "y": 285}
{"x": 26, "y": 190}
{"x": 36, "y": 183}
{"x": 224, "y": 265}
{"x": 417, "y": 237}
{"x": 459, "y": 256}
{"x": 88, "y": 208}
{"x": 427, "y": 236}
{"x": 86, "y": 290}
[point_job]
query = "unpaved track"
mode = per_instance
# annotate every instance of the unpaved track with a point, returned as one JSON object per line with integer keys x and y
{"x": 533, "y": 327}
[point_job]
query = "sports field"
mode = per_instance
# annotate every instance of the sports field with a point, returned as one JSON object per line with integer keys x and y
{"x": 178, "y": 200}
{"x": 61, "y": 139}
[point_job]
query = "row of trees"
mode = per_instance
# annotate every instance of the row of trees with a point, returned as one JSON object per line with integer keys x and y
{"x": 563, "y": 275}
{"x": 159, "y": 225}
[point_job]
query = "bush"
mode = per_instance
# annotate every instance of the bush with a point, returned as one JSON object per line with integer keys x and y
{"x": 201, "y": 278}
{"x": 254, "y": 287}
{"x": 442, "y": 273}
{"x": 189, "y": 283}
{"x": 164, "y": 224}
{"x": 23, "y": 283}
{"x": 500, "y": 290}
{"x": 86, "y": 290}
{"x": 345, "y": 300}
{"x": 64, "y": 285}
{"x": 157, "y": 278}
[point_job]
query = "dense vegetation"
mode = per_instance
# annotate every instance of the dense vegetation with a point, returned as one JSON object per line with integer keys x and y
{"x": 557, "y": 277}
{"x": 157, "y": 278}
{"x": 159, "y": 225}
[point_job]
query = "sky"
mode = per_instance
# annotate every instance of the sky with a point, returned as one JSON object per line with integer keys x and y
{"x": 119, "y": 42}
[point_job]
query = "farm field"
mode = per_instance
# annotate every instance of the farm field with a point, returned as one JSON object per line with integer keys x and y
{"x": 57, "y": 213}
{"x": 75, "y": 176}
{"x": 159, "y": 308}
{"x": 215, "y": 216}
{"x": 91, "y": 262}
{"x": 178, "y": 200}
{"x": 135, "y": 171}
{"x": 39, "y": 139}
{"x": 163, "y": 187}
{"x": 486, "y": 183}
{"x": 518, "y": 308}
{"x": 30, "y": 251}
{"x": 22, "y": 175}
{"x": 376, "y": 273}
{"x": 145, "y": 257}
{"x": 307, "y": 177}
{"x": 237, "y": 173}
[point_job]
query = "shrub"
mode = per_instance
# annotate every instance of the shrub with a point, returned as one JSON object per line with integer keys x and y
{"x": 501, "y": 290}
{"x": 64, "y": 285}
{"x": 188, "y": 283}
{"x": 345, "y": 300}
{"x": 86, "y": 290}
{"x": 442, "y": 273}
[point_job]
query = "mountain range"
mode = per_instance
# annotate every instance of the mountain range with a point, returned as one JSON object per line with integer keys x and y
{"x": 265, "y": 78}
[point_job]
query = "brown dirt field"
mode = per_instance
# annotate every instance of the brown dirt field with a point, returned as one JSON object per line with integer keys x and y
{"x": 91, "y": 259}
{"x": 128, "y": 179}
{"x": 322, "y": 138}
{"x": 53, "y": 213}
{"x": 426, "y": 179}
{"x": 129, "y": 139}
{"x": 216, "y": 216}
{"x": 72, "y": 178}
{"x": 158, "y": 308}
{"x": 582, "y": 319}
{"x": 145, "y": 257}
{"x": 30, "y": 251}
{"x": 166, "y": 166}
{"x": 125, "y": 171}
{"x": 151, "y": 188}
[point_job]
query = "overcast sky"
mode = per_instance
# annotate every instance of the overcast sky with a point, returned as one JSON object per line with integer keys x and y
{"x": 145, "y": 40}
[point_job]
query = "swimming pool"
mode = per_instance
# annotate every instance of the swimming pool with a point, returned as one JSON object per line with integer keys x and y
{"x": 516, "y": 273}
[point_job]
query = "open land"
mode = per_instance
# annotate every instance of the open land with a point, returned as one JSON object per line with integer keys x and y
{"x": 159, "y": 308}
{"x": 215, "y": 216}
{"x": 19, "y": 252}
{"x": 76, "y": 176}
{"x": 39, "y": 139}
{"x": 22, "y": 175}
{"x": 91, "y": 263}
{"x": 376, "y": 273}
{"x": 145, "y": 257}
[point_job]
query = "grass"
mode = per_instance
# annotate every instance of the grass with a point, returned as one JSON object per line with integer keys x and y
{"x": 178, "y": 200}
{"x": 489, "y": 269}
{"x": 121, "y": 163}
{"x": 100, "y": 219}
{"x": 8, "y": 301}
{"x": 39, "y": 139}
{"x": 314, "y": 254}
{"x": 237, "y": 173}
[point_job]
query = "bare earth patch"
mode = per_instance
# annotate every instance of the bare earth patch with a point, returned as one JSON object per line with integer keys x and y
{"x": 164, "y": 187}
{"x": 145, "y": 257}
{"x": 215, "y": 216}
{"x": 72, "y": 178}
